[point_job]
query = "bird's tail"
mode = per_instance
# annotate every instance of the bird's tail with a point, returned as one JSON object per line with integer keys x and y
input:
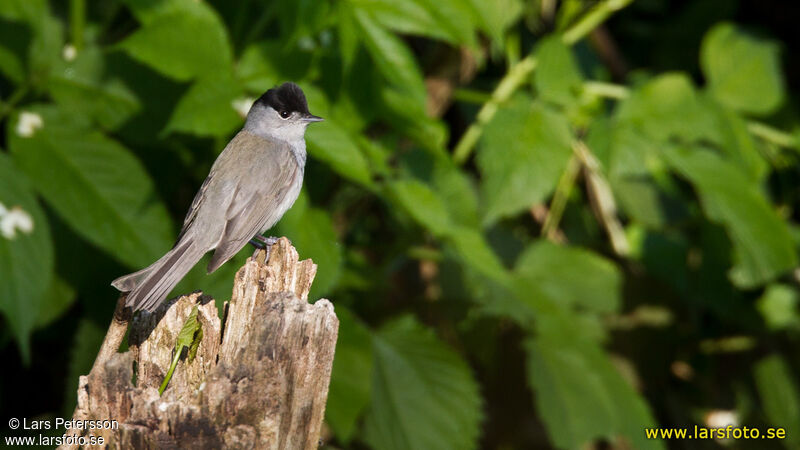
{"x": 149, "y": 286}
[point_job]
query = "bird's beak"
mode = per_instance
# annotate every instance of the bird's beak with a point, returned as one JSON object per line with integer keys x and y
{"x": 311, "y": 118}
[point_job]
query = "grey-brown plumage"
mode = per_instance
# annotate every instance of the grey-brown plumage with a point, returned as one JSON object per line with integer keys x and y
{"x": 255, "y": 179}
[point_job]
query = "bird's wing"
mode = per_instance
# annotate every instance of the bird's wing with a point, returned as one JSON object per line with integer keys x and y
{"x": 256, "y": 203}
{"x": 192, "y": 213}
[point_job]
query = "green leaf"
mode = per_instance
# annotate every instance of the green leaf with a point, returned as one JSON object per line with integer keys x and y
{"x": 665, "y": 107}
{"x": 349, "y": 391}
{"x": 743, "y": 71}
{"x": 189, "y": 337}
{"x": 79, "y": 87}
{"x": 524, "y": 150}
{"x": 24, "y": 10}
{"x": 779, "y": 396}
{"x": 476, "y": 253}
{"x": 311, "y": 232}
{"x": 188, "y": 330}
{"x": 11, "y": 66}
{"x": 98, "y": 188}
{"x": 457, "y": 189}
{"x": 332, "y": 145}
{"x": 778, "y": 307}
{"x": 423, "y": 394}
{"x": 58, "y": 298}
{"x": 422, "y": 204}
{"x": 183, "y": 41}
{"x": 407, "y": 17}
{"x": 206, "y": 109}
{"x": 763, "y": 245}
{"x": 392, "y": 57}
{"x": 265, "y": 63}
{"x": 557, "y": 77}
{"x": 26, "y": 258}
{"x": 497, "y": 16}
{"x": 580, "y": 395}
{"x": 571, "y": 276}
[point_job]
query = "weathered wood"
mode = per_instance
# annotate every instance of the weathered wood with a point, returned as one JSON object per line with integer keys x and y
{"x": 259, "y": 378}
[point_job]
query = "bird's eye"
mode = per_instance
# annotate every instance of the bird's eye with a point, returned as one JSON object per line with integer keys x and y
{"x": 285, "y": 114}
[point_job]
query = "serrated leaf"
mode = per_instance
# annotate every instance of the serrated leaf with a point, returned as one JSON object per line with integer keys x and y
{"x": 98, "y": 188}
{"x": 332, "y": 145}
{"x": 557, "y": 77}
{"x": 26, "y": 259}
{"x": 743, "y": 71}
{"x": 188, "y": 330}
{"x": 571, "y": 276}
{"x": 206, "y": 109}
{"x": 349, "y": 391}
{"x": 423, "y": 394}
{"x": 581, "y": 396}
{"x": 762, "y": 243}
{"x": 780, "y": 398}
{"x": 665, "y": 107}
{"x": 524, "y": 151}
{"x": 184, "y": 41}
{"x": 311, "y": 232}
{"x": 422, "y": 204}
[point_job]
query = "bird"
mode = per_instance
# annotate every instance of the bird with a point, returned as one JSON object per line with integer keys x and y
{"x": 252, "y": 183}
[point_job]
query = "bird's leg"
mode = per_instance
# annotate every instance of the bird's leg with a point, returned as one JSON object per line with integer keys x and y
{"x": 263, "y": 243}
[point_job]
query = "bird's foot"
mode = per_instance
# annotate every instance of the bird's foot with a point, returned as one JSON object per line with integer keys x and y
{"x": 263, "y": 243}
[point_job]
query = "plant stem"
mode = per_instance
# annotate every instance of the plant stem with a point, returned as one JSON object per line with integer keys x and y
{"x": 172, "y": 366}
{"x": 560, "y": 197}
{"x": 519, "y": 73}
{"x": 773, "y": 135}
{"x": 510, "y": 82}
{"x": 608, "y": 90}
{"x": 8, "y": 106}
{"x": 77, "y": 19}
{"x": 592, "y": 19}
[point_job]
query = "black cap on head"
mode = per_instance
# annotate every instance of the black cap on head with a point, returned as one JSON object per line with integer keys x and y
{"x": 286, "y": 97}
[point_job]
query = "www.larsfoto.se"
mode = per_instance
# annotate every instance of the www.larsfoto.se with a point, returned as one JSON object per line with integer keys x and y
{"x": 729, "y": 432}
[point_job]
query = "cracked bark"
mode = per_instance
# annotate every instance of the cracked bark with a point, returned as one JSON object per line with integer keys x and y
{"x": 259, "y": 379}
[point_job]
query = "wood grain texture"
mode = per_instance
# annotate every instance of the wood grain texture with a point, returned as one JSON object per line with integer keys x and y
{"x": 259, "y": 379}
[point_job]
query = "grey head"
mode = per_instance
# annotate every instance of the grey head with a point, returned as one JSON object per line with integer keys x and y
{"x": 281, "y": 113}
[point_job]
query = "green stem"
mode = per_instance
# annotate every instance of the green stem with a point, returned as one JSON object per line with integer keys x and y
{"x": 560, "y": 197}
{"x": 510, "y": 82}
{"x": 77, "y": 19}
{"x": 172, "y": 367}
{"x": 519, "y": 73}
{"x": 592, "y": 19}
{"x": 773, "y": 135}
{"x": 8, "y": 106}
{"x": 608, "y": 90}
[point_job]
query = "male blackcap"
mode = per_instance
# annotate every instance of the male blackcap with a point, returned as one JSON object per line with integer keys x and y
{"x": 255, "y": 179}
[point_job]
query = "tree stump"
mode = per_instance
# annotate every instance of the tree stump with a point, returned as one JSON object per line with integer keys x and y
{"x": 259, "y": 378}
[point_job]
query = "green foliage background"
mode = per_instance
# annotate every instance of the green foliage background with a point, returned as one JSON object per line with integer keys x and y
{"x": 533, "y": 236}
